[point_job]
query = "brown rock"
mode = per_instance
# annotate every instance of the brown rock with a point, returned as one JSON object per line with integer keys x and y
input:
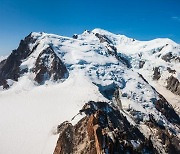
{"x": 103, "y": 130}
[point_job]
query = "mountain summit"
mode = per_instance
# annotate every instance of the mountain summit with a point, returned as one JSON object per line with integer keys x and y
{"x": 131, "y": 89}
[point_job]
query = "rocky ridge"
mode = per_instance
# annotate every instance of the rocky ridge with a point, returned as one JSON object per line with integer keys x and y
{"x": 103, "y": 130}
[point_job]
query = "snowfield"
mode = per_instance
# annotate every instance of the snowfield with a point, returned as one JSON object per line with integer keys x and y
{"x": 30, "y": 113}
{"x": 29, "y": 116}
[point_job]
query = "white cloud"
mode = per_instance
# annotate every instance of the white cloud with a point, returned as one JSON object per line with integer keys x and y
{"x": 175, "y": 18}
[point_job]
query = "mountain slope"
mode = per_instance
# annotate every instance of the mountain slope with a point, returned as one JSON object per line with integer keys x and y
{"x": 59, "y": 74}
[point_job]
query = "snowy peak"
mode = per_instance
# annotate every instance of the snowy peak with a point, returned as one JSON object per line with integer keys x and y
{"x": 126, "y": 39}
{"x": 124, "y": 71}
{"x": 42, "y": 56}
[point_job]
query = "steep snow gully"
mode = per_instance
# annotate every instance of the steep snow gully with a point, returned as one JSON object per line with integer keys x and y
{"x": 96, "y": 92}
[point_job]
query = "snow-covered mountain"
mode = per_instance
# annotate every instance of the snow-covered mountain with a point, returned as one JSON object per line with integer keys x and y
{"x": 49, "y": 78}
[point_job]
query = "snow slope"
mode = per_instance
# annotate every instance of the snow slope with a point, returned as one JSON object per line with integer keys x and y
{"x": 150, "y": 52}
{"x": 29, "y": 116}
{"x": 30, "y": 113}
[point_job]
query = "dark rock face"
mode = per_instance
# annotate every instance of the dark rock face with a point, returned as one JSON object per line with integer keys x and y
{"x": 141, "y": 63}
{"x": 48, "y": 65}
{"x": 9, "y": 68}
{"x": 170, "y": 142}
{"x": 167, "y": 110}
{"x": 75, "y": 36}
{"x": 4, "y": 84}
{"x": 103, "y": 130}
{"x": 157, "y": 73}
{"x": 169, "y": 56}
{"x": 103, "y": 38}
{"x": 171, "y": 70}
{"x": 173, "y": 85}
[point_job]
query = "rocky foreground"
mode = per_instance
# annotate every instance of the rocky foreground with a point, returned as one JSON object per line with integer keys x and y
{"x": 106, "y": 130}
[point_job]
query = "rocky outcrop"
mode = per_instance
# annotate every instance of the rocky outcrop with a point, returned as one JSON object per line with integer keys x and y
{"x": 4, "y": 84}
{"x": 9, "y": 68}
{"x": 141, "y": 63}
{"x": 167, "y": 110}
{"x": 103, "y": 130}
{"x": 157, "y": 73}
{"x": 169, "y": 56}
{"x": 173, "y": 85}
{"x": 49, "y": 66}
{"x": 75, "y": 36}
{"x": 171, "y": 70}
{"x": 169, "y": 143}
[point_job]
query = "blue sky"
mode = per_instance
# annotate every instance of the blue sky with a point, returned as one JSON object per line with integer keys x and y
{"x": 140, "y": 19}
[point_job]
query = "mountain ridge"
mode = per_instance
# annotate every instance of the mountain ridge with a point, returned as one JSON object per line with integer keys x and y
{"x": 111, "y": 68}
